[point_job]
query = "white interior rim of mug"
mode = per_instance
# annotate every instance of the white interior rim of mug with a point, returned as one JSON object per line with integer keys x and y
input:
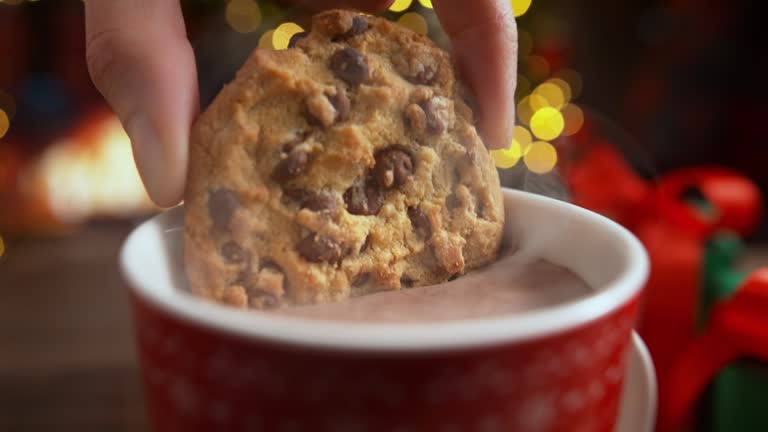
{"x": 629, "y": 274}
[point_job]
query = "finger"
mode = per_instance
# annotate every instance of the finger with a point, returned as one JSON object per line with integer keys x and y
{"x": 141, "y": 61}
{"x": 363, "y": 5}
{"x": 484, "y": 39}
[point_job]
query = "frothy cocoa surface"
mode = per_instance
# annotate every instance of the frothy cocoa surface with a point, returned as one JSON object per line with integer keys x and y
{"x": 512, "y": 284}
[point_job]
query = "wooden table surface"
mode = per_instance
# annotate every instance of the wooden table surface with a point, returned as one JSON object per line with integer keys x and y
{"x": 67, "y": 360}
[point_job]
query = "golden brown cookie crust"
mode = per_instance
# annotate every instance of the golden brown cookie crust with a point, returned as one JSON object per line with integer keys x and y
{"x": 344, "y": 165}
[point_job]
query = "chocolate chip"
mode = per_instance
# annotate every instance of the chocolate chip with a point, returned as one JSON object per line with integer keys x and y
{"x": 425, "y": 75}
{"x": 295, "y": 38}
{"x": 350, "y": 65}
{"x": 316, "y": 248}
{"x": 222, "y": 204}
{"x": 435, "y": 122}
{"x": 359, "y": 26}
{"x": 268, "y": 263}
{"x": 364, "y": 200}
{"x": 471, "y": 156}
{"x": 393, "y": 168}
{"x": 296, "y": 194}
{"x": 481, "y": 211}
{"x": 420, "y": 221}
{"x": 452, "y": 202}
{"x": 263, "y": 299}
{"x": 233, "y": 253}
{"x": 453, "y": 277}
{"x": 325, "y": 109}
{"x": 293, "y": 165}
{"x": 406, "y": 281}
{"x": 322, "y": 202}
{"x": 340, "y": 102}
{"x": 366, "y": 244}
{"x": 361, "y": 278}
{"x": 269, "y": 301}
{"x": 297, "y": 139}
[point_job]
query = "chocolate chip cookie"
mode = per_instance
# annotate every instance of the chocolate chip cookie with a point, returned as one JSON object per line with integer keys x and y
{"x": 343, "y": 165}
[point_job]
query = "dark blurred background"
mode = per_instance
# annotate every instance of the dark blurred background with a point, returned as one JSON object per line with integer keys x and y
{"x": 668, "y": 83}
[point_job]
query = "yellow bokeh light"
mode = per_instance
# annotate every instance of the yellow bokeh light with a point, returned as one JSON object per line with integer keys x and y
{"x": 507, "y": 158}
{"x": 541, "y": 157}
{"x": 524, "y": 44}
{"x": 265, "y": 41}
{"x": 426, "y": 3}
{"x": 244, "y": 16}
{"x": 524, "y": 110}
{"x": 2, "y": 247}
{"x": 538, "y": 68}
{"x": 415, "y": 22}
{"x": 552, "y": 94}
{"x": 282, "y": 35}
{"x": 574, "y": 119}
{"x": 5, "y": 123}
{"x": 564, "y": 87}
{"x": 400, "y": 5}
{"x": 538, "y": 102}
{"x": 573, "y": 79}
{"x": 547, "y": 123}
{"x": 520, "y": 6}
{"x": 522, "y": 137}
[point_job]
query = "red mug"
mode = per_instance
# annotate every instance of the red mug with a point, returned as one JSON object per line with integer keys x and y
{"x": 208, "y": 367}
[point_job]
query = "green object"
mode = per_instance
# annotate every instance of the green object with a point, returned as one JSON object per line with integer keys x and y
{"x": 736, "y": 401}
{"x": 720, "y": 278}
{"x": 738, "y": 398}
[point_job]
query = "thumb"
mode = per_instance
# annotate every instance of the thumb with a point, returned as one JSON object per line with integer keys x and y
{"x": 484, "y": 39}
{"x": 142, "y": 63}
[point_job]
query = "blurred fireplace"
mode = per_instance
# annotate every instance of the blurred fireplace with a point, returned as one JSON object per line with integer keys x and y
{"x": 87, "y": 173}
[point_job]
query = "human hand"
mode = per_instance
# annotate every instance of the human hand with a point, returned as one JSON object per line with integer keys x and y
{"x": 141, "y": 61}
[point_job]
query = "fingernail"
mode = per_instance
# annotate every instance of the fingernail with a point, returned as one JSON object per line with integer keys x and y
{"x": 499, "y": 134}
{"x": 150, "y": 157}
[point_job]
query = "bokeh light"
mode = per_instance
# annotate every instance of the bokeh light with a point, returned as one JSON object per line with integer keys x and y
{"x": 541, "y": 157}
{"x": 573, "y": 79}
{"x": 538, "y": 68}
{"x": 282, "y": 35}
{"x": 574, "y": 119}
{"x": 415, "y": 22}
{"x": 538, "y": 102}
{"x": 522, "y": 137}
{"x": 400, "y": 5}
{"x": 520, "y": 6}
{"x": 507, "y": 158}
{"x": 2, "y": 247}
{"x": 552, "y": 94}
{"x": 265, "y": 41}
{"x": 524, "y": 110}
{"x": 244, "y": 16}
{"x": 547, "y": 123}
{"x": 426, "y": 3}
{"x": 564, "y": 87}
{"x": 524, "y": 44}
{"x": 5, "y": 123}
